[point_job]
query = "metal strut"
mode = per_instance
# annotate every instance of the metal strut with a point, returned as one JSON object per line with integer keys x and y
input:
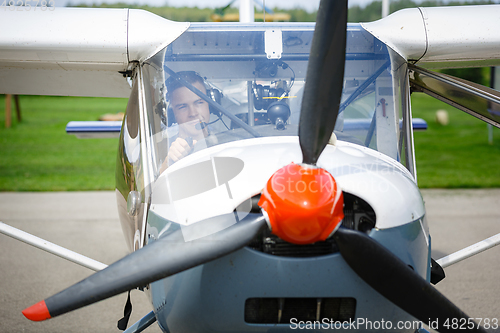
{"x": 60, "y": 251}
{"x": 142, "y": 324}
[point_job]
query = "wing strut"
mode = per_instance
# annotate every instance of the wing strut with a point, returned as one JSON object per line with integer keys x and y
{"x": 477, "y": 100}
{"x": 142, "y": 324}
{"x": 51, "y": 248}
{"x": 469, "y": 251}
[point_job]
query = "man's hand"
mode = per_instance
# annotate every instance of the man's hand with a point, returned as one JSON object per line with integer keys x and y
{"x": 179, "y": 149}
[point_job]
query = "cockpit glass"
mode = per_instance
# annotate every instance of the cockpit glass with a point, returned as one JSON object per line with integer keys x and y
{"x": 219, "y": 83}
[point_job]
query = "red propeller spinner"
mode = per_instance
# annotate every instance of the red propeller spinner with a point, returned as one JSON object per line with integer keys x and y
{"x": 303, "y": 204}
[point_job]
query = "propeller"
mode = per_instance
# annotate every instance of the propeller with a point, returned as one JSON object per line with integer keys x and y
{"x": 324, "y": 80}
{"x": 397, "y": 282}
{"x": 149, "y": 264}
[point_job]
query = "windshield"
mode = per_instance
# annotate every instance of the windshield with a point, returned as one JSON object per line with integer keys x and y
{"x": 219, "y": 83}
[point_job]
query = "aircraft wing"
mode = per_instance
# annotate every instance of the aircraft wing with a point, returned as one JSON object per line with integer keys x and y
{"x": 77, "y": 51}
{"x": 46, "y": 53}
{"x": 437, "y": 37}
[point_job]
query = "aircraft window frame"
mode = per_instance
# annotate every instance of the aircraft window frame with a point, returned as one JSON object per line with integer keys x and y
{"x": 380, "y": 62}
{"x": 131, "y": 178}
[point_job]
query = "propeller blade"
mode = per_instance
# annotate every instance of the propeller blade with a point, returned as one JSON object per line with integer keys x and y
{"x": 397, "y": 282}
{"x": 164, "y": 257}
{"x": 324, "y": 80}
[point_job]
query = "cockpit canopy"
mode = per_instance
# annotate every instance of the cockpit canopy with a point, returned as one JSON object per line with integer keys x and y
{"x": 253, "y": 79}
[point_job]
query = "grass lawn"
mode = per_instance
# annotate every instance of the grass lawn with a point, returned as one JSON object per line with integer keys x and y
{"x": 38, "y": 155}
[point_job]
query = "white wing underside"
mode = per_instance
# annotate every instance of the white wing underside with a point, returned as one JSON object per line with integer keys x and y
{"x": 439, "y": 37}
{"x": 80, "y": 51}
{"x": 77, "y": 51}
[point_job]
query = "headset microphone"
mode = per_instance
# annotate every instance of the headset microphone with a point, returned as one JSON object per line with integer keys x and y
{"x": 201, "y": 125}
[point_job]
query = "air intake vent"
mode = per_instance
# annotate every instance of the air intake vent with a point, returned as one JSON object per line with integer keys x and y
{"x": 282, "y": 310}
{"x": 271, "y": 244}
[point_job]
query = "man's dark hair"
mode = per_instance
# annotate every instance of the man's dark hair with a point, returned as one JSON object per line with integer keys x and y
{"x": 173, "y": 83}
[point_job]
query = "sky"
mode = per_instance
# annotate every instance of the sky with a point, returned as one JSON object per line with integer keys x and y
{"x": 309, "y": 5}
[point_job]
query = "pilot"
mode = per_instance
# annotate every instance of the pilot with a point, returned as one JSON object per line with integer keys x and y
{"x": 191, "y": 113}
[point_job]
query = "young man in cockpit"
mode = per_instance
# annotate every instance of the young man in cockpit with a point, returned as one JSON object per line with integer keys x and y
{"x": 191, "y": 113}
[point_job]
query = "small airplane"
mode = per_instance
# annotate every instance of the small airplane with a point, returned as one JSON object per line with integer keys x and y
{"x": 252, "y": 154}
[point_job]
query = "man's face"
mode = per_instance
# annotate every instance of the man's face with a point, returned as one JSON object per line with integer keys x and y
{"x": 189, "y": 109}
